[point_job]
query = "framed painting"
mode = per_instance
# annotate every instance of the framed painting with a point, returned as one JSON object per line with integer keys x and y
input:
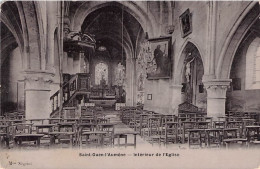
{"x": 186, "y": 23}
{"x": 159, "y": 63}
{"x": 149, "y": 96}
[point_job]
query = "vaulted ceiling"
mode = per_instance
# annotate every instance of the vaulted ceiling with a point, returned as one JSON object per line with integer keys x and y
{"x": 113, "y": 28}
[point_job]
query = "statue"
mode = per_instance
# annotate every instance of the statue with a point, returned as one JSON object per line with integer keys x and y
{"x": 188, "y": 70}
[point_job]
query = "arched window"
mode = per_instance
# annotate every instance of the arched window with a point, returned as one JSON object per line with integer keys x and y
{"x": 253, "y": 65}
{"x": 101, "y": 73}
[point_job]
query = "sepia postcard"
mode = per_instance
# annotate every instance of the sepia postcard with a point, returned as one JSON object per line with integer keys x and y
{"x": 130, "y": 84}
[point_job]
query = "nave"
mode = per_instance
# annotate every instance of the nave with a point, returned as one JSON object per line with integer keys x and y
{"x": 173, "y": 74}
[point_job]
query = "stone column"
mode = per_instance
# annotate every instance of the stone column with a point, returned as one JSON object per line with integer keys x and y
{"x": 37, "y": 94}
{"x": 216, "y": 97}
{"x": 176, "y": 98}
{"x": 129, "y": 82}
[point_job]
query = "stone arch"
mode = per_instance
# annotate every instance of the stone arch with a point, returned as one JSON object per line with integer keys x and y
{"x": 25, "y": 34}
{"x": 234, "y": 38}
{"x": 137, "y": 11}
{"x": 33, "y": 50}
{"x": 42, "y": 42}
{"x": 181, "y": 58}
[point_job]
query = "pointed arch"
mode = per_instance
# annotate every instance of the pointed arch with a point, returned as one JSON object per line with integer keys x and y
{"x": 234, "y": 38}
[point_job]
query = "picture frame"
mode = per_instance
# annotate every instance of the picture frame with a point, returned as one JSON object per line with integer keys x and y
{"x": 149, "y": 96}
{"x": 159, "y": 65}
{"x": 186, "y": 23}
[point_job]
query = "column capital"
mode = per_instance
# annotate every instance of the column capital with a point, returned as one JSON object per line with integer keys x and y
{"x": 38, "y": 80}
{"x": 217, "y": 88}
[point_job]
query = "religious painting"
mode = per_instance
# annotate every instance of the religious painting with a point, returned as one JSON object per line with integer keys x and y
{"x": 159, "y": 62}
{"x": 149, "y": 96}
{"x": 141, "y": 77}
{"x": 101, "y": 74}
{"x": 141, "y": 65}
{"x": 186, "y": 23}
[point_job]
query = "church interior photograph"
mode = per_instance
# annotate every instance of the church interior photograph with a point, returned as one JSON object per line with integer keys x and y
{"x": 98, "y": 74}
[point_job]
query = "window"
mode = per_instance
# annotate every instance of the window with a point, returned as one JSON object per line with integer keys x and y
{"x": 101, "y": 73}
{"x": 253, "y": 65}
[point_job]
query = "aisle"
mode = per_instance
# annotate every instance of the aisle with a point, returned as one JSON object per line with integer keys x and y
{"x": 140, "y": 142}
{"x": 115, "y": 118}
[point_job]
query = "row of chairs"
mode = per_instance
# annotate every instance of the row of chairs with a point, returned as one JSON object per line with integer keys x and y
{"x": 70, "y": 130}
{"x": 190, "y": 128}
{"x": 13, "y": 115}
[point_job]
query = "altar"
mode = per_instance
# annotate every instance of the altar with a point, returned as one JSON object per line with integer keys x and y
{"x": 103, "y": 102}
{"x": 104, "y": 96}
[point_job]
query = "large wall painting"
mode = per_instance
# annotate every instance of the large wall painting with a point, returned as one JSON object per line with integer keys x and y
{"x": 159, "y": 61}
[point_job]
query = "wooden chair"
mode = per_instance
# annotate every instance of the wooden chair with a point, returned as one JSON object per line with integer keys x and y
{"x": 213, "y": 137}
{"x": 169, "y": 132}
{"x": 144, "y": 132}
{"x": 236, "y": 123}
{"x": 65, "y": 134}
{"x": 185, "y": 126}
{"x": 81, "y": 128}
{"x": 195, "y": 137}
{"x": 4, "y": 136}
{"x": 109, "y": 136}
{"x": 23, "y": 133}
{"x": 94, "y": 138}
{"x": 154, "y": 129}
{"x": 135, "y": 120}
{"x": 230, "y": 137}
{"x": 253, "y": 136}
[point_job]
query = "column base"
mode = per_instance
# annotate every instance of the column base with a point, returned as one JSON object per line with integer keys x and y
{"x": 216, "y": 97}
{"x": 37, "y": 94}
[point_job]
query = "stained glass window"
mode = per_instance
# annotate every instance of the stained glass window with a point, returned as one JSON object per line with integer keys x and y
{"x": 101, "y": 73}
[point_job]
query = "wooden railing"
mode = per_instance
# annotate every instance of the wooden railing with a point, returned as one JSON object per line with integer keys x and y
{"x": 78, "y": 84}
